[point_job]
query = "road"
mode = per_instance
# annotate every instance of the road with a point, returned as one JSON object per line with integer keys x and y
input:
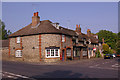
{"x": 90, "y": 68}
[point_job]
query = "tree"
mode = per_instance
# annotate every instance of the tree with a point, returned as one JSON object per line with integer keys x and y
{"x": 118, "y": 36}
{"x": 109, "y": 37}
{"x": 118, "y": 43}
{"x": 118, "y": 47}
{"x": 105, "y": 49}
{"x": 3, "y": 32}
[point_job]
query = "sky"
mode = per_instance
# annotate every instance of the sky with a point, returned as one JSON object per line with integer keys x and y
{"x": 90, "y": 15}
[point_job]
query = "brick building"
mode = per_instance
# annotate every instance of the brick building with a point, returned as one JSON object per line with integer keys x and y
{"x": 49, "y": 42}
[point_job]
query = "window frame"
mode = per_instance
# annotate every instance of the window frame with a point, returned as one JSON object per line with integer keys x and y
{"x": 63, "y": 38}
{"x": 54, "y": 53}
{"x": 18, "y": 40}
{"x": 68, "y": 54}
{"x": 18, "y": 53}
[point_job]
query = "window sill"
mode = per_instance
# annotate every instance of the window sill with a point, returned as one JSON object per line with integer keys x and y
{"x": 53, "y": 57}
{"x": 18, "y": 57}
{"x": 18, "y": 43}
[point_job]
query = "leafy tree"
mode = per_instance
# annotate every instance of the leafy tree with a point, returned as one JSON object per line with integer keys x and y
{"x": 109, "y": 37}
{"x": 3, "y": 32}
{"x": 105, "y": 49}
{"x": 118, "y": 44}
{"x": 118, "y": 35}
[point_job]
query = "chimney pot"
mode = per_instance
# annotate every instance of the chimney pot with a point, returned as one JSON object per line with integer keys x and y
{"x": 76, "y": 25}
{"x": 36, "y": 13}
{"x": 79, "y": 25}
{"x": 88, "y": 32}
{"x": 78, "y": 29}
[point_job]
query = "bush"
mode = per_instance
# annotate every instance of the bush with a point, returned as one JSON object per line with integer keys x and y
{"x": 110, "y": 51}
{"x": 98, "y": 54}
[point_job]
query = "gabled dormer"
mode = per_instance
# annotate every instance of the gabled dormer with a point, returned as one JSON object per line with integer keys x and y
{"x": 56, "y": 25}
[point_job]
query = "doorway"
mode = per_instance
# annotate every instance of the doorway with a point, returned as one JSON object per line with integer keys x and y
{"x": 63, "y": 55}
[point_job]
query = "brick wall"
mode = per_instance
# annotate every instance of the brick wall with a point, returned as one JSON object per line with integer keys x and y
{"x": 30, "y": 49}
{"x": 48, "y": 40}
{"x": 29, "y": 42}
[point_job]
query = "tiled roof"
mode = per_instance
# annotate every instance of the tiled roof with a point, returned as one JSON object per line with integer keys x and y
{"x": 44, "y": 27}
{"x": 68, "y": 31}
{"x": 47, "y": 27}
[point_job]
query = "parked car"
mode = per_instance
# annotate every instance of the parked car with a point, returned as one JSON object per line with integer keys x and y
{"x": 108, "y": 56}
{"x": 118, "y": 55}
{"x": 114, "y": 55}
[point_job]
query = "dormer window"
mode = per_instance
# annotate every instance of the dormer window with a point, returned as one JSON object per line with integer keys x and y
{"x": 18, "y": 39}
{"x": 56, "y": 25}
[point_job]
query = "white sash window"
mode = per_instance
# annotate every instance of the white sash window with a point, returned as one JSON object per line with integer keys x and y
{"x": 68, "y": 52}
{"x": 18, "y": 53}
{"x": 63, "y": 38}
{"x": 51, "y": 53}
{"x": 18, "y": 39}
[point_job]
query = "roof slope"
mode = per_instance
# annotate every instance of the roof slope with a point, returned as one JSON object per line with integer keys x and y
{"x": 68, "y": 31}
{"x": 44, "y": 27}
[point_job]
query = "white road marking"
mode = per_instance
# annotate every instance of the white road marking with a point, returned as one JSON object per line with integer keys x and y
{"x": 116, "y": 65}
{"x": 10, "y": 76}
{"x": 102, "y": 68}
{"x": 16, "y": 75}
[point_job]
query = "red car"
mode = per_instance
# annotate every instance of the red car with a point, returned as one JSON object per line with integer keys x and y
{"x": 118, "y": 55}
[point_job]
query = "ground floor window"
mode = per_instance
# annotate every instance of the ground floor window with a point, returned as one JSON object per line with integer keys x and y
{"x": 50, "y": 53}
{"x": 84, "y": 51}
{"x": 18, "y": 53}
{"x": 68, "y": 52}
{"x": 76, "y": 52}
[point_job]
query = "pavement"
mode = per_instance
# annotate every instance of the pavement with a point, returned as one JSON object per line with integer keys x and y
{"x": 87, "y": 68}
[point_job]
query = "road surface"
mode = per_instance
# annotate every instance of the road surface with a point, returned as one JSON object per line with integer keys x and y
{"x": 89, "y": 68}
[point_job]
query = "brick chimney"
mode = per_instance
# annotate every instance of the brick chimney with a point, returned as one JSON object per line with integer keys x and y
{"x": 78, "y": 29}
{"x": 35, "y": 19}
{"x": 88, "y": 32}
